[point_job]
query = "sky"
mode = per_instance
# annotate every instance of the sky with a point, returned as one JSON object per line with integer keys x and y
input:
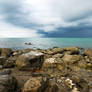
{"x": 45, "y": 18}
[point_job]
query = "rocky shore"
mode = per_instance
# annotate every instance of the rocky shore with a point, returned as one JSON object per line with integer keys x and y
{"x": 51, "y": 70}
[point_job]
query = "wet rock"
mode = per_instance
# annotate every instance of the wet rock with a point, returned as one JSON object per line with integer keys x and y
{"x": 34, "y": 84}
{"x": 8, "y": 83}
{"x": 72, "y": 50}
{"x": 71, "y": 59}
{"x": 6, "y": 52}
{"x": 32, "y": 60}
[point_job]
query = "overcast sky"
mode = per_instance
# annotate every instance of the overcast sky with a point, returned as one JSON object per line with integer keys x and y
{"x": 45, "y": 18}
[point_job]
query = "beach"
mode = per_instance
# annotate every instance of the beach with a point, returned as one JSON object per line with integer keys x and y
{"x": 56, "y": 69}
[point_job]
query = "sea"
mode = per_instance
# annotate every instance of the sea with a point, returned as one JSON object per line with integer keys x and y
{"x": 44, "y": 43}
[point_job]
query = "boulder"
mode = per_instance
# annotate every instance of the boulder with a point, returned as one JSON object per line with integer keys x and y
{"x": 34, "y": 84}
{"x": 9, "y": 64}
{"x": 57, "y": 56}
{"x": 6, "y": 52}
{"x": 72, "y": 50}
{"x": 2, "y": 60}
{"x": 52, "y": 86}
{"x": 8, "y": 83}
{"x": 52, "y": 63}
{"x": 82, "y": 64}
{"x": 88, "y": 53}
{"x": 43, "y": 84}
{"x": 32, "y": 60}
{"x": 55, "y": 51}
{"x": 82, "y": 80}
{"x": 71, "y": 59}
{"x": 57, "y": 84}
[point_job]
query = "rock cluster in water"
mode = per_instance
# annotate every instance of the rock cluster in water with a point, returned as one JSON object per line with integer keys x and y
{"x": 51, "y": 70}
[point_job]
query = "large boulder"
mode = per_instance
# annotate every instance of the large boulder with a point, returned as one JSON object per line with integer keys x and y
{"x": 34, "y": 84}
{"x": 6, "y": 52}
{"x": 72, "y": 50}
{"x": 71, "y": 59}
{"x": 32, "y": 60}
{"x": 7, "y": 83}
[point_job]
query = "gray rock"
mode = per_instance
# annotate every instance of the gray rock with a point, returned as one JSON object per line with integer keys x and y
{"x": 31, "y": 60}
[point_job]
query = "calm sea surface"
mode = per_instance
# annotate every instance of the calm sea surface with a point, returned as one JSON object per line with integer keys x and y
{"x": 44, "y": 43}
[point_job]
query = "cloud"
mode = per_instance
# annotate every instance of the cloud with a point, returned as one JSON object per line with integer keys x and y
{"x": 47, "y": 16}
{"x": 58, "y": 13}
{"x": 11, "y": 31}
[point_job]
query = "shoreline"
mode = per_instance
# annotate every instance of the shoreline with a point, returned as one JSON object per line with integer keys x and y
{"x": 46, "y": 70}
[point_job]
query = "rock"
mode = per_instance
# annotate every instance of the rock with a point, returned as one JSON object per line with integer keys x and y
{"x": 52, "y": 86}
{"x": 6, "y": 52}
{"x": 9, "y": 64}
{"x": 8, "y": 83}
{"x": 1, "y": 67}
{"x": 32, "y": 60}
{"x": 0, "y": 51}
{"x": 75, "y": 68}
{"x": 71, "y": 59}
{"x": 5, "y": 72}
{"x": 72, "y": 50}
{"x": 82, "y": 80}
{"x": 34, "y": 84}
{"x": 55, "y": 51}
{"x": 52, "y": 63}
{"x": 2, "y": 60}
{"x": 40, "y": 84}
{"x": 57, "y": 56}
{"x": 82, "y": 64}
{"x": 49, "y": 63}
{"x": 28, "y": 43}
{"x": 56, "y": 84}
{"x": 88, "y": 53}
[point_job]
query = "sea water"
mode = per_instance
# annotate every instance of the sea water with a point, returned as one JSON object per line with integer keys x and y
{"x": 44, "y": 43}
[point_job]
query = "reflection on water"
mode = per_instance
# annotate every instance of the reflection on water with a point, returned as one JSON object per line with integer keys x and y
{"x": 44, "y": 43}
